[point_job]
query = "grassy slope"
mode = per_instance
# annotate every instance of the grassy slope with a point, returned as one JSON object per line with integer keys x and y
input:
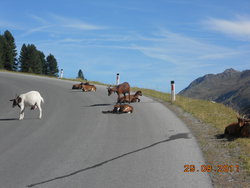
{"x": 214, "y": 114}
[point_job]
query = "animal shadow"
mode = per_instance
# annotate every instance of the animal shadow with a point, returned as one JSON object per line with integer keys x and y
{"x": 226, "y": 138}
{"x": 111, "y": 112}
{"x": 8, "y": 119}
{"x": 93, "y": 105}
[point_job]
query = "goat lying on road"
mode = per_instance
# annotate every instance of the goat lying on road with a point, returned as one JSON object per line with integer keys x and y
{"x": 32, "y": 99}
{"x": 79, "y": 86}
{"x": 133, "y": 98}
{"x": 120, "y": 108}
{"x": 88, "y": 88}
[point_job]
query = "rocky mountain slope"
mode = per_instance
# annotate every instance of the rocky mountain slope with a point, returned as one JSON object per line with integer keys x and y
{"x": 230, "y": 87}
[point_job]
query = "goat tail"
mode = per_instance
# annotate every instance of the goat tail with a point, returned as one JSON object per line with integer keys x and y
{"x": 42, "y": 100}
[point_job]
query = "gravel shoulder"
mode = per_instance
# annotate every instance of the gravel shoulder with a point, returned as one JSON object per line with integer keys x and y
{"x": 216, "y": 151}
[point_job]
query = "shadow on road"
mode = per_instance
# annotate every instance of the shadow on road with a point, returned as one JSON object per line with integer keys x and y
{"x": 8, "y": 119}
{"x": 173, "y": 137}
{"x": 93, "y": 105}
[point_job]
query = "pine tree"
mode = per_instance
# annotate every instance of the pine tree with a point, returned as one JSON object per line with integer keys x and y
{"x": 30, "y": 59}
{"x": 2, "y": 52}
{"x": 44, "y": 63}
{"x": 23, "y": 59}
{"x": 10, "y": 52}
{"x": 80, "y": 75}
{"x": 52, "y": 65}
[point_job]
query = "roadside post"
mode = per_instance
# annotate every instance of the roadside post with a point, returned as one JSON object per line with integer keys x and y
{"x": 172, "y": 91}
{"x": 61, "y": 73}
{"x": 117, "y": 79}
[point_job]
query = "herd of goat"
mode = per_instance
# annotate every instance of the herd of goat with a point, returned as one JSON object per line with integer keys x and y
{"x": 33, "y": 99}
{"x": 121, "y": 89}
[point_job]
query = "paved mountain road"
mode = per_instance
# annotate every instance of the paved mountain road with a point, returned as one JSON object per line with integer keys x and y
{"x": 75, "y": 145}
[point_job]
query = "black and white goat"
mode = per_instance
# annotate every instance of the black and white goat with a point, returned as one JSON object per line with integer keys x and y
{"x": 31, "y": 99}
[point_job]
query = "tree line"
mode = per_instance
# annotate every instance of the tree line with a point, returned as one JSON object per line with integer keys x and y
{"x": 30, "y": 59}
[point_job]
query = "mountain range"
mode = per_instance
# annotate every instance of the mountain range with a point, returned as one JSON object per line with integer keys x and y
{"x": 230, "y": 87}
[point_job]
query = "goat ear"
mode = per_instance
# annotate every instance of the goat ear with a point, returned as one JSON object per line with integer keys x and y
{"x": 19, "y": 99}
{"x": 12, "y": 99}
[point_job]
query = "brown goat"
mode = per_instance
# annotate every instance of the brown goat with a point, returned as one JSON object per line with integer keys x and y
{"x": 120, "y": 89}
{"x": 86, "y": 88}
{"x": 245, "y": 130}
{"x": 79, "y": 86}
{"x": 234, "y": 129}
{"x": 133, "y": 98}
{"x": 121, "y": 108}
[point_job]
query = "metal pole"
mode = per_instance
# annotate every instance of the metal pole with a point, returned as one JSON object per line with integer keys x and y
{"x": 172, "y": 91}
{"x": 117, "y": 79}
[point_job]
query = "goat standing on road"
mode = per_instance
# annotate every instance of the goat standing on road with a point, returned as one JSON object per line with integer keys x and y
{"x": 120, "y": 89}
{"x": 32, "y": 99}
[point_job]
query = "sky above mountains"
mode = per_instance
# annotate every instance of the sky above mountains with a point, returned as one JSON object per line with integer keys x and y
{"x": 148, "y": 42}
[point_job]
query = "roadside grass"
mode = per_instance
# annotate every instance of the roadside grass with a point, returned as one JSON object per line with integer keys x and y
{"x": 214, "y": 114}
{"x": 153, "y": 93}
{"x": 27, "y": 73}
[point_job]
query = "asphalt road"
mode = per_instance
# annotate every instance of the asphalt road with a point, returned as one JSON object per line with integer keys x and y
{"x": 75, "y": 145}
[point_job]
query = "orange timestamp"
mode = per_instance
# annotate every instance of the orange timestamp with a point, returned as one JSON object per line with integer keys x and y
{"x": 209, "y": 168}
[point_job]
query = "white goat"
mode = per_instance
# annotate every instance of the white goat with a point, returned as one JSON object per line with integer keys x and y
{"x": 32, "y": 99}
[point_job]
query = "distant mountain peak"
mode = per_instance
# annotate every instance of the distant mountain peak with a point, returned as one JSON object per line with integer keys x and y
{"x": 231, "y": 70}
{"x": 230, "y": 87}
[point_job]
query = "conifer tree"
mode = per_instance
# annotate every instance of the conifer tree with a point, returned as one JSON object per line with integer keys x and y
{"x": 44, "y": 63}
{"x": 80, "y": 75}
{"x": 30, "y": 59}
{"x": 10, "y": 52}
{"x": 52, "y": 65}
{"x": 23, "y": 59}
{"x": 2, "y": 56}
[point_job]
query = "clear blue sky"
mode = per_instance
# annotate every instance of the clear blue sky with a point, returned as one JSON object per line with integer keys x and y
{"x": 149, "y": 42}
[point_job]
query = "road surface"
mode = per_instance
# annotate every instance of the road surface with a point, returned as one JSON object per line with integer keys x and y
{"x": 75, "y": 145}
